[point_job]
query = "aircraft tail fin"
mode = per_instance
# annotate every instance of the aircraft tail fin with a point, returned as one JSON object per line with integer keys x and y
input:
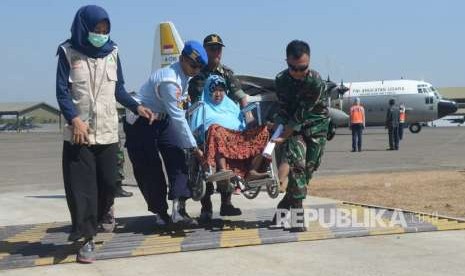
{"x": 167, "y": 45}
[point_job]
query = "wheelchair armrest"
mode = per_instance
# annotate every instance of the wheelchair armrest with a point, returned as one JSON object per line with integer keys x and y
{"x": 194, "y": 107}
{"x": 250, "y": 107}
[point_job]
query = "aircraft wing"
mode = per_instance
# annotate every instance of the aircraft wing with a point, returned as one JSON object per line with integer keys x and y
{"x": 262, "y": 89}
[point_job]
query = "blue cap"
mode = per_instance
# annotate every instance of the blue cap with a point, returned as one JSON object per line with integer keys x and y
{"x": 195, "y": 51}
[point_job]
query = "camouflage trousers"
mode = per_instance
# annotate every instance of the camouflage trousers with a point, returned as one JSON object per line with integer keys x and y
{"x": 303, "y": 154}
{"x": 120, "y": 165}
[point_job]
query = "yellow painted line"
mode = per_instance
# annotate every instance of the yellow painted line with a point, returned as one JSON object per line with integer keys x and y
{"x": 315, "y": 232}
{"x": 360, "y": 211}
{"x": 240, "y": 237}
{"x": 34, "y": 234}
{"x": 102, "y": 238}
{"x": 54, "y": 260}
{"x": 155, "y": 250}
{"x": 442, "y": 224}
{"x": 158, "y": 244}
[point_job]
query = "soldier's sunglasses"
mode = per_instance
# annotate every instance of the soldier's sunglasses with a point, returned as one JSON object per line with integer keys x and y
{"x": 300, "y": 68}
{"x": 214, "y": 48}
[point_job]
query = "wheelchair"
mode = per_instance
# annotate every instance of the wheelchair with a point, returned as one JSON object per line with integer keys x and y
{"x": 198, "y": 176}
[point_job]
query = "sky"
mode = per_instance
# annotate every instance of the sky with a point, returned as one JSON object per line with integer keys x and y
{"x": 359, "y": 40}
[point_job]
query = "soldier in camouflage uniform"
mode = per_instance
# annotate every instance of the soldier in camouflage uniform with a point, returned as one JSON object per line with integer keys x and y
{"x": 120, "y": 192}
{"x": 213, "y": 44}
{"x": 303, "y": 111}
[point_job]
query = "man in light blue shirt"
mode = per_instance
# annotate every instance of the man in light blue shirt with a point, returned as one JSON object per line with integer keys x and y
{"x": 164, "y": 94}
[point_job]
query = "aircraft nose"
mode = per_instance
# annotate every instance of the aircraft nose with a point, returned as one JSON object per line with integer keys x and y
{"x": 446, "y": 107}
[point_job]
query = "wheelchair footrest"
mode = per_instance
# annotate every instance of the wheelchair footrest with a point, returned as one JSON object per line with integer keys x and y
{"x": 260, "y": 182}
{"x": 220, "y": 175}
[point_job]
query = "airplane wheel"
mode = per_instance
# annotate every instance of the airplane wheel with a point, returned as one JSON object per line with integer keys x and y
{"x": 414, "y": 128}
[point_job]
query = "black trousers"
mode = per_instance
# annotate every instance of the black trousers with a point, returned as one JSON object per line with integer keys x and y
{"x": 393, "y": 132}
{"x": 401, "y": 131}
{"x": 89, "y": 174}
{"x": 357, "y": 130}
{"x": 206, "y": 201}
{"x": 144, "y": 142}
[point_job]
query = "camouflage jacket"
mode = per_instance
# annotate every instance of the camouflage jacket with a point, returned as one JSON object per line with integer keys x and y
{"x": 301, "y": 101}
{"x": 196, "y": 84}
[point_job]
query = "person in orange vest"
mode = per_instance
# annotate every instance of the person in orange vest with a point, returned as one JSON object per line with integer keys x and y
{"x": 357, "y": 124}
{"x": 401, "y": 120}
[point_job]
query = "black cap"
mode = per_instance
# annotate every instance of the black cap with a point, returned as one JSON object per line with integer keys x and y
{"x": 213, "y": 39}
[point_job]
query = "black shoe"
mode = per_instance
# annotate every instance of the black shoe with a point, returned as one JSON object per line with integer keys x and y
{"x": 353, "y": 150}
{"x": 298, "y": 229}
{"x": 205, "y": 217}
{"x": 74, "y": 236}
{"x": 86, "y": 253}
{"x": 122, "y": 193}
{"x": 161, "y": 219}
{"x": 284, "y": 203}
{"x": 229, "y": 210}
{"x": 390, "y": 149}
{"x": 108, "y": 222}
{"x": 359, "y": 150}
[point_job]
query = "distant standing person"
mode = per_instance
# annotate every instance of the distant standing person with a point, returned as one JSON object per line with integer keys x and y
{"x": 357, "y": 124}
{"x": 401, "y": 121}
{"x": 392, "y": 124}
{"x": 89, "y": 82}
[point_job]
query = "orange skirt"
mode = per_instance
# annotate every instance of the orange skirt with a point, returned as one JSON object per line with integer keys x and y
{"x": 237, "y": 147}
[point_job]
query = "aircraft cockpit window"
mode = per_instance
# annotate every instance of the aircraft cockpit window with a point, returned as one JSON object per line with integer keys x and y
{"x": 429, "y": 100}
{"x": 419, "y": 90}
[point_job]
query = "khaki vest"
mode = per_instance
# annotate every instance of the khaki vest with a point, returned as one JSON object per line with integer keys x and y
{"x": 92, "y": 86}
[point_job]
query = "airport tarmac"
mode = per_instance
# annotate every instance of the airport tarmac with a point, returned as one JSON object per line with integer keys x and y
{"x": 33, "y": 160}
{"x": 32, "y": 192}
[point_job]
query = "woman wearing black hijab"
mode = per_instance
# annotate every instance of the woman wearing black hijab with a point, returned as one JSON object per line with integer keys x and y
{"x": 89, "y": 83}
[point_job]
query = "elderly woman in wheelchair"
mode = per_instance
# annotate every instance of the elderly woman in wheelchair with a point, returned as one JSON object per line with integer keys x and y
{"x": 232, "y": 149}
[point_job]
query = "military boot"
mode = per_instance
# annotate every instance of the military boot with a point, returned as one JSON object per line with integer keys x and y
{"x": 285, "y": 203}
{"x": 297, "y": 205}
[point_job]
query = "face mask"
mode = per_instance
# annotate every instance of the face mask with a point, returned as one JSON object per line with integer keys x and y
{"x": 98, "y": 40}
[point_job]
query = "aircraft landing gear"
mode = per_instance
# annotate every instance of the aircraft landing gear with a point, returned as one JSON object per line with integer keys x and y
{"x": 415, "y": 128}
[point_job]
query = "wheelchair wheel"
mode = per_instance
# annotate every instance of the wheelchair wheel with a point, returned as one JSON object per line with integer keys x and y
{"x": 198, "y": 190}
{"x": 196, "y": 180}
{"x": 251, "y": 193}
{"x": 247, "y": 191}
{"x": 273, "y": 188}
